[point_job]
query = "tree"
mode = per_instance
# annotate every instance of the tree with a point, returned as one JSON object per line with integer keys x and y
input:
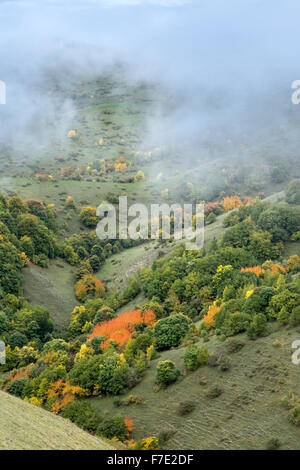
{"x": 82, "y": 414}
{"x": 4, "y": 323}
{"x": 17, "y": 386}
{"x": 89, "y": 286}
{"x": 85, "y": 373}
{"x": 195, "y": 357}
{"x": 70, "y": 255}
{"x": 17, "y": 206}
{"x": 280, "y": 222}
{"x": 293, "y": 192}
{"x": 113, "y": 375}
{"x": 95, "y": 263}
{"x": 113, "y": 427}
{"x": 166, "y": 372}
{"x": 42, "y": 238}
{"x": 17, "y": 339}
{"x": 169, "y": 332}
{"x": 293, "y": 264}
{"x": 139, "y": 176}
{"x": 294, "y": 319}
{"x": 282, "y": 305}
{"x": 258, "y": 326}
{"x": 88, "y": 216}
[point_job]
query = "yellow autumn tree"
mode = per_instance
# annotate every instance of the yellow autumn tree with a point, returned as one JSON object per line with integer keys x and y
{"x": 231, "y": 202}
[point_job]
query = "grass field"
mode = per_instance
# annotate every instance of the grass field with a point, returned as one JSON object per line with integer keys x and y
{"x": 52, "y": 288}
{"x": 245, "y": 416}
{"x": 27, "y": 427}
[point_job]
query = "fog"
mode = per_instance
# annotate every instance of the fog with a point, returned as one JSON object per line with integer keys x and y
{"x": 226, "y": 65}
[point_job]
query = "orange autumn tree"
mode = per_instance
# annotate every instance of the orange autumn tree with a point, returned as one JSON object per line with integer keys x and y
{"x": 119, "y": 167}
{"x": 129, "y": 424}
{"x": 89, "y": 285}
{"x": 121, "y": 328}
{"x": 257, "y": 270}
{"x": 209, "y": 318}
{"x": 63, "y": 393}
{"x": 276, "y": 268}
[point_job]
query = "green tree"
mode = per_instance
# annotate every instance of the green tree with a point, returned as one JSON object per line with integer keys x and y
{"x": 166, "y": 372}
{"x": 169, "y": 332}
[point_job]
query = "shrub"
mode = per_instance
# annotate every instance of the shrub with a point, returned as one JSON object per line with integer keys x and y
{"x": 164, "y": 436}
{"x": 82, "y": 414}
{"x": 88, "y": 216}
{"x": 113, "y": 427}
{"x": 170, "y": 331}
{"x": 224, "y": 363}
{"x": 213, "y": 360}
{"x": 273, "y": 444}
{"x": 234, "y": 323}
{"x": 166, "y": 373}
{"x": 294, "y": 416}
{"x": 139, "y": 176}
{"x": 214, "y": 391}
{"x": 234, "y": 345}
{"x": 293, "y": 192}
{"x": 258, "y": 326}
{"x": 186, "y": 407}
{"x": 293, "y": 264}
{"x": 148, "y": 443}
{"x": 294, "y": 319}
{"x": 211, "y": 218}
{"x": 195, "y": 357}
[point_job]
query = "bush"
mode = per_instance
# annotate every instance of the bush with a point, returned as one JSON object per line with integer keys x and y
{"x": 234, "y": 345}
{"x": 234, "y": 323}
{"x": 214, "y": 391}
{"x": 170, "y": 331}
{"x": 273, "y": 444}
{"x": 165, "y": 436}
{"x": 293, "y": 192}
{"x": 148, "y": 443}
{"x": 294, "y": 416}
{"x": 113, "y": 427}
{"x": 294, "y": 319}
{"x": 82, "y": 414}
{"x": 195, "y": 357}
{"x": 258, "y": 326}
{"x": 166, "y": 373}
{"x": 88, "y": 216}
{"x": 186, "y": 407}
{"x": 224, "y": 363}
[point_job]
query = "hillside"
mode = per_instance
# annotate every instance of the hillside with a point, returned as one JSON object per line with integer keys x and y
{"x": 28, "y": 427}
{"x": 247, "y": 414}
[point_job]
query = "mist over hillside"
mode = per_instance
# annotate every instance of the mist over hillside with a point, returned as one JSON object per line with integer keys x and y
{"x": 225, "y": 69}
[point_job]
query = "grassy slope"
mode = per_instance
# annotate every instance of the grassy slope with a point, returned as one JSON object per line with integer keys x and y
{"x": 52, "y": 288}
{"x": 27, "y": 427}
{"x": 247, "y": 414}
